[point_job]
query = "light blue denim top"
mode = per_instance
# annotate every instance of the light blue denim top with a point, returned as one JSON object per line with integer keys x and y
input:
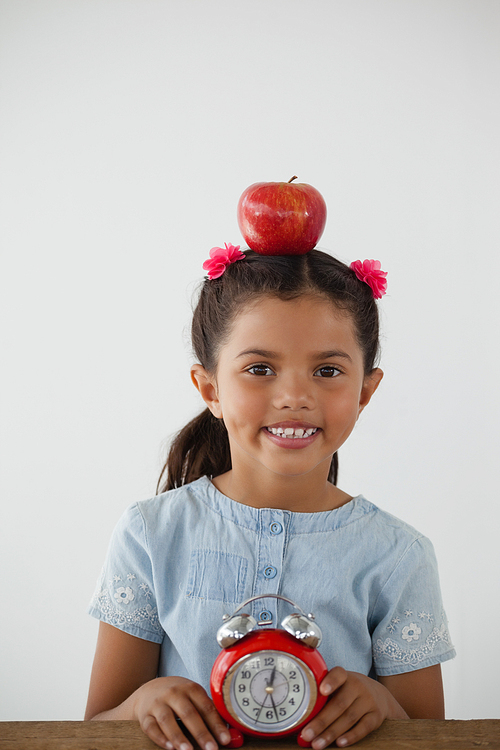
{"x": 178, "y": 562}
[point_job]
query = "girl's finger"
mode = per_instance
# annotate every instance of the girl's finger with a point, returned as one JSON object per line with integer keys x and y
{"x": 187, "y": 711}
{"x": 337, "y": 706}
{"x": 355, "y": 719}
{"x": 212, "y": 718}
{"x": 368, "y": 723}
{"x": 151, "y": 728}
{"x": 173, "y": 737}
{"x": 335, "y": 678}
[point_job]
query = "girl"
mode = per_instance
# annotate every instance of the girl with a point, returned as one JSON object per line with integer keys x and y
{"x": 286, "y": 352}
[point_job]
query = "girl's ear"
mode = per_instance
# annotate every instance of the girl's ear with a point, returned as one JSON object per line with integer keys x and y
{"x": 370, "y": 385}
{"x": 205, "y": 384}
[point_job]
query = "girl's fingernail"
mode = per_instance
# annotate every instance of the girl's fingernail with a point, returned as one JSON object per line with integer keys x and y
{"x": 224, "y": 737}
{"x": 319, "y": 744}
{"x": 185, "y": 746}
{"x": 210, "y": 746}
{"x": 342, "y": 742}
{"x": 169, "y": 745}
{"x": 308, "y": 735}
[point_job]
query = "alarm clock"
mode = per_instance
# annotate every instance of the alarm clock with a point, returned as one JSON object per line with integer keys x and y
{"x": 265, "y": 682}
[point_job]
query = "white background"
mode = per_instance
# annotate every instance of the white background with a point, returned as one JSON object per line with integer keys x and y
{"x": 128, "y": 131}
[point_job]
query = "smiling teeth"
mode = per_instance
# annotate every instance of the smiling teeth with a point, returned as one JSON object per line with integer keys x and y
{"x": 290, "y": 432}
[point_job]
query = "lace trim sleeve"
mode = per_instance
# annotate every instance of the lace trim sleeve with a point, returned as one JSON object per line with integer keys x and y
{"x": 127, "y": 605}
{"x": 125, "y": 595}
{"x": 411, "y": 629}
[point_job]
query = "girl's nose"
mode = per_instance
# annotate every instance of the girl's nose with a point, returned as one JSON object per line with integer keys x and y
{"x": 293, "y": 393}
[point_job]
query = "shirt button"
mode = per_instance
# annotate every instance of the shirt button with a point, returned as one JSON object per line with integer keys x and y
{"x": 276, "y": 528}
{"x": 265, "y": 616}
{"x": 270, "y": 572}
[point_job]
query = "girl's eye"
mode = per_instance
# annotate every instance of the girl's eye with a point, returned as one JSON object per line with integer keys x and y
{"x": 260, "y": 370}
{"x": 327, "y": 372}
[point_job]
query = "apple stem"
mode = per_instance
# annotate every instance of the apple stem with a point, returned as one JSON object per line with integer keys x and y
{"x": 292, "y": 179}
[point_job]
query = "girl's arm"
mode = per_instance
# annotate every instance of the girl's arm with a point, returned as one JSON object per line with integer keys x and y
{"x": 122, "y": 663}
{"x": 123, "y": 685}
{"x": 420, "y": 693}
{"x": 358, "y": 704}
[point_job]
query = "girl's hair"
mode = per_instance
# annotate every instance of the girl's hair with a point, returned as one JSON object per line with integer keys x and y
{"x": 202, "y": 446}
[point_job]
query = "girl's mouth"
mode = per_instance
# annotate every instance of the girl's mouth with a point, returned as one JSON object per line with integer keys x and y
{"x": 292, "y": 437}
{"x": 292, "y": 433}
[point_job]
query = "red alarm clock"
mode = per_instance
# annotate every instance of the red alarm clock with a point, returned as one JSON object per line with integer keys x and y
{"x": 265, "y": 682}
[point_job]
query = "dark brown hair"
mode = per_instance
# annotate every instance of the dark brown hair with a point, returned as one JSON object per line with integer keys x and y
{"x": 202, "y": 446}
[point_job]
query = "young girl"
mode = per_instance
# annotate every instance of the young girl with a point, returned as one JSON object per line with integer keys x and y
{"x": 286, "y": 352}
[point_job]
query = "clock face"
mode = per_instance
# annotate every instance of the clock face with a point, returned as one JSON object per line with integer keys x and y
{"x": 269, "y": 691}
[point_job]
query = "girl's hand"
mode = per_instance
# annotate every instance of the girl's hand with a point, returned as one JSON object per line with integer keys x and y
{"x": 158, "y": 703}
{"x": 357, "y": 706}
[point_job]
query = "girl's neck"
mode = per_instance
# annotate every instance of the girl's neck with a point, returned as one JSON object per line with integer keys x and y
{"x": 302, "y": 494}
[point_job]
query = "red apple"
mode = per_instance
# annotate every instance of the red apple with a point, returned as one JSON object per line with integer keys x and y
{"x": 281, "y": 218}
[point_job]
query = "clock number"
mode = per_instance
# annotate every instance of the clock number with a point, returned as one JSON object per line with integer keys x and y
{"x": 246, "y": 701}
{"x": 269, "y": 714}
{"x": 293, "y": 674}
{"x": 282, "y": 711}
{"x": 269, "y": 661}
{"x": 292, "y": 701}
{"x": 242, "y": 688}
{"x": 245, "y": 675}
{"x": 296, "y": 688}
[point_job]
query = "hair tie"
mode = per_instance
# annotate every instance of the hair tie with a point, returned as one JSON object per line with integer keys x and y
{"x": 369, "y": 271}
{"x": 221, "y": 258}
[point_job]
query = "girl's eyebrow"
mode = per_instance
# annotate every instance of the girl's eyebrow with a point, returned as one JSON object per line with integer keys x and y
{"x": 266, "y": 354}
{"x": 334, "y": 354}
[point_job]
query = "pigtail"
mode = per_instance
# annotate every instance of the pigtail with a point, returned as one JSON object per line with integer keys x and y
{"x": 200, "y": 448}
{"x": 334, "y": 469}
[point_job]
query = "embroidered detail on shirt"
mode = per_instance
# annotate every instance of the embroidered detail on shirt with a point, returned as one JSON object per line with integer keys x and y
{"x": 117, "y": 616}
{"x": 124, "y": 595}
{"x": 392, "y": 625}
{"x": 393, "y": 651}
{"x": 146, "y": 590}
{"x": 411, "y": 632}
{"x": 426, "y": 616}
{"x": 408, "y": 612}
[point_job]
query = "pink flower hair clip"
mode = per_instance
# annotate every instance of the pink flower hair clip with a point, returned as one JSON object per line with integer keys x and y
{"x": 221, "y": 258}
{"x": 369, "y": 272}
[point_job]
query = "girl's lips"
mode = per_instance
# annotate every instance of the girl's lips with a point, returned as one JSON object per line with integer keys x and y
{"x": 300, "y": 435}
{"x": 292, "y": 424}
{"x": 293, "y": 432}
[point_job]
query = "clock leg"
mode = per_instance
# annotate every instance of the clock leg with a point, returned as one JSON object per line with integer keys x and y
{"x": 237, "y": 739}
{"x": 302, "y": 742}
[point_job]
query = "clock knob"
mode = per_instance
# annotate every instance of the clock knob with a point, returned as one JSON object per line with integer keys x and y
{"x": 234, "y": 629}
{"x": 303, "y": 628}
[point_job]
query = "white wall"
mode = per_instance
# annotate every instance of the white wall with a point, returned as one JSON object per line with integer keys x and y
{"x": 129, "y": 128}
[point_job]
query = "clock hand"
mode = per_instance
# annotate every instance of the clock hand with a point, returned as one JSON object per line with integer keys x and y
{"x": 274, "y": 706}
{"x": 271, "y": 683}
{"x": 259, "y": 713}
{"x": 268, "y": 684}
{"x": 260, "y": 709}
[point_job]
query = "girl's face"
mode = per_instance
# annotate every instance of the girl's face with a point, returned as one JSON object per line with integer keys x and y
{"x": 289, "y": 386}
